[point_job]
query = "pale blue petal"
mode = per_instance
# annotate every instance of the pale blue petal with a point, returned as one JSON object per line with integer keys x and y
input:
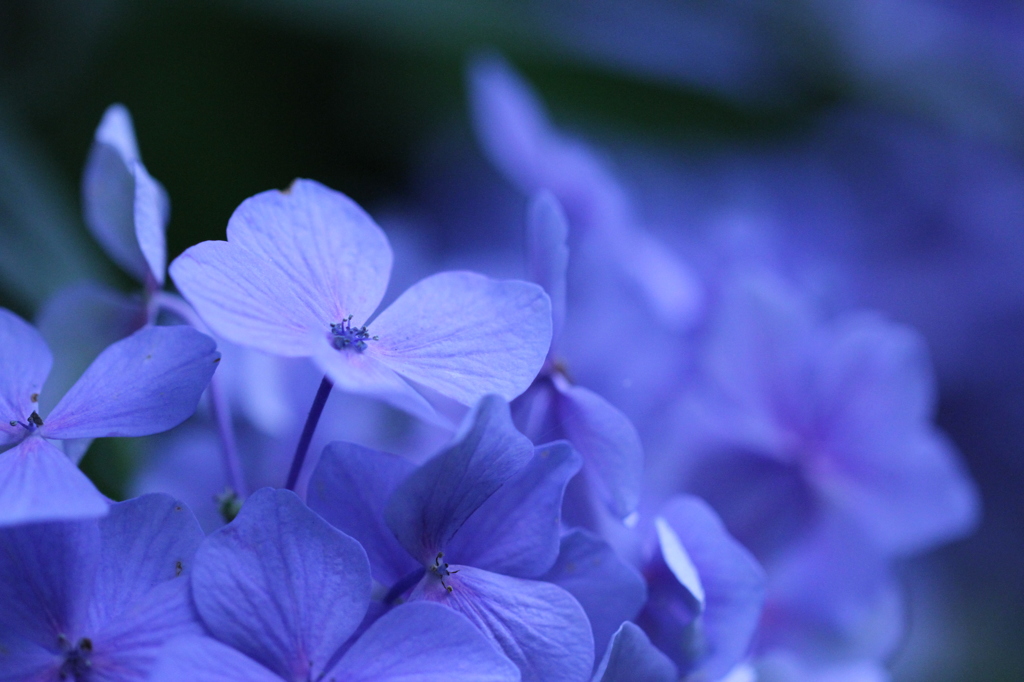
{"x": 350, "y": 489}
{"x": 39, "y": 483}
{"x": 324, "y": 244}
{"x": 423, "y": 641}
{"x": 25, "y": 362}
{"x": 517, "y": 530}
{"x": 144, "y": 384}
{"x": 247, "y": 300}
{"x": 465, "y": 335}
{"x": 281, "y": 585}
{"x": 150, "y": 214}
{"x": 540, "y": 626}
{"x": 201, "y": 659}
{"x": 609, "y": 590}
{"x": 430, "y": 506}
{"x": 631, "y": 656}
{"x": 547, "y": 251}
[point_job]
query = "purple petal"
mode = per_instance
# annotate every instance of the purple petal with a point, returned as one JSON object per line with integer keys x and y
{"x": 547, "y": 250}
{"x": 423, "y": 641}
{"x": 350, "y": 488}
{"x": 538, "y": 625}
{"x": 145, "y": 384}
{"x": 324, "y": 244}
{"x": 145, "y": 542}
{"x": 39, "y": 483}
{"x": 465, "y": 335}
{"x": 108, "y": 191}
{"x": 517, "y": 530}
{"x": 247, "y": 300}
{"x": 201, "y": 659}
{"x": 608, "y": 590}
{"x": 631, "y": 656}
{"x": 613, "y": 457}
{"x": 151, "y": 212}
{"x": 24, "y": 365}
{"x": 78, "y": 323}
{"x": 430, "y": 506}
{"x": 281, "y": 585}
{"x": 22, "y": 661}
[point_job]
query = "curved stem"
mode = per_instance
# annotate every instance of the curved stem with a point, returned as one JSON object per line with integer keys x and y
{"x": 315, "y": 410}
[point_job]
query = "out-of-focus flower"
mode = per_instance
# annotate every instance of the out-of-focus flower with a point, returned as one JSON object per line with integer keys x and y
{"x": 631, "y": 656}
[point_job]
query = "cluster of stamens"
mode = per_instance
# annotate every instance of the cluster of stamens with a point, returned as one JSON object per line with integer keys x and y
{"x": 77, "y": 665}
{"x": 440, "y": 569}
{"x": 33, "y": 423}
{"x": 344, "y": 335}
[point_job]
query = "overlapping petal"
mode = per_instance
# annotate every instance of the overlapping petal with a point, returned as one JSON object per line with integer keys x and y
{"x": 631, "y": 656}
{"x": 547, "y": 251}
{"x": 25, "y": 362}
{"x": 202, "y": 659}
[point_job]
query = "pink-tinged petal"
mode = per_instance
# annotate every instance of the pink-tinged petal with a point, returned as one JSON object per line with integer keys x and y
{"x": 151, "y": 212}
{"x": 631, "y": 656}
{"x": 202, "y": 659}
{"x": 432, "y": 503}
{"x": 547, "y": 251}
{"x": 423, "y": 641}
{"x": 465, "y": 335}
{"x": 362, "y": 373}
{"x": 323, "y": 243}
{"x": 39, "y": 483}
{"x": 25, "y": 362}
{"x": 281, "y": 585}
{"x": 247, "y": 300}
{"x": 540, "y": 626}
{"x": 145, "y": 384}
{"x": 517, "y": 530}
{"x": 613, "y": 457}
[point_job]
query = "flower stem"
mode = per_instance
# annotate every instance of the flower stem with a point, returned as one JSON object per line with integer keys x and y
{"x": 315, "y": 410}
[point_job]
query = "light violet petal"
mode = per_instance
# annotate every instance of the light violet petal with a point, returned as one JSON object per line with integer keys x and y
{"x": 145, "y": 384}
{"x": 145, "y": 542}
{"x": 609, "y": 590}
{"x": 547, "y": 251}
{"x": 517, "y": 531}
{"x": 423, "y": 641}
{"x": 322, "y": 242}
{"x": 150, "y": 213}
{"x": 613, "y": 457}
{"x": 540, "y": 626}
{"x": 430, "y": 506}
{"x": 117, "y": 130}
{"x": 465, "y": 335}
{"x": 247, "y": 300}
{"x": 350, "y": 488}
{"x": 39, "y": 483}
{"x": 25, "y": 362}
{"x": 671, "y": 288}
{"x": 281, "y": 585}
{"x": 631, "y": 656}
{"x": 202, "y": 659}
{"x": 362, "y": 373}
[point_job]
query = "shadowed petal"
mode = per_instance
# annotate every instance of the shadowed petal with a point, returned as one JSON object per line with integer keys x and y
{"x": 324, "y": 243}
{"x": 609, "y": 590}
{"x": 350, "y": 488}
{"x": 430, "y": 506}
{"x": 547, "y": 251}
{"x": 631, "y": 656}
{"x": 465, "y": 335}
{"x": 25, "y": 362}
{"x": 39, "y": 483}
{"x": 281, "y": 585}
{"x": 517, "y": 530}
{"x": 423, "y": 641}
{"x": 247, "y": 300}
{"x": 145, "y": 384}
{"x": 150, "y": 213}
{"x": 201, "y": 659}
{"x": 538, "y": 625}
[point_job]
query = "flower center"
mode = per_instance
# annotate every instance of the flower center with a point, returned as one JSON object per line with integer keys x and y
{"x": 33, "y": 422}
{"x": 440, "y": 569}
{"x": 77, "y": 665}
{"x": 344, "y": 335}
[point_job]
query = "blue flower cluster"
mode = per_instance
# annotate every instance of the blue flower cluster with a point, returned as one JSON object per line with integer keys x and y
{"x": 640, "y": 464}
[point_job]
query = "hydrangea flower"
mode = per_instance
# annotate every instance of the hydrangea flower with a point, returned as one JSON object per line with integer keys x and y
{"x": 281, "y": 592}
{"x": 144, "y": 384}
{"x": 303, "y": 271}
{"x": 476, "y": 528}
{"x": 96, "y": 599}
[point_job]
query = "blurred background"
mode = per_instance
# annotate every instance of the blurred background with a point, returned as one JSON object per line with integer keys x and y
{"x": 882, "y": 140}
